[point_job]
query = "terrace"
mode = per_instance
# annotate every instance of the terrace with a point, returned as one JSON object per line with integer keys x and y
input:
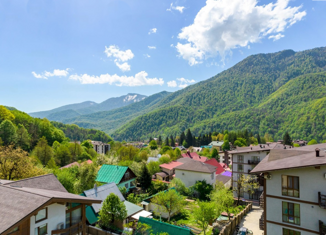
{"x": 322, "y": 200}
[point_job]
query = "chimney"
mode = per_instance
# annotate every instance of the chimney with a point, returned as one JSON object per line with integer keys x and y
{"x": 317, "y": 152}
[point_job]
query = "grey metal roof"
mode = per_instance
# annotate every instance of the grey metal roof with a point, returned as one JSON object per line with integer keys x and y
{"x": 101, "y": 194}
{"x": 223, "y": 178}
{"x": 197, "y": 166}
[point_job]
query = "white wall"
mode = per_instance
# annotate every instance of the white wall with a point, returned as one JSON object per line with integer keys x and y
{"x": 273, "y": 229}
{"x": 311, "y": 181}
{"x": 56, "y": 215}
{"x": 189, "y": 178}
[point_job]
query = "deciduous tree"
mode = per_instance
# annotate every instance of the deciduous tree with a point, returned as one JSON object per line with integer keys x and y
{"x": 5, "y": 114}
{"x": 43, "y": 151}
{"x": 23, "y": 139}
{"x": 205, "y": 214}
{"x": 8, "y": 132}
{"x": 246, "y": 184}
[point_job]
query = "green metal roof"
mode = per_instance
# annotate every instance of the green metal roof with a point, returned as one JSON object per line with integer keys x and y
{"x": 91, "y": 216}
{"x": 132, "y": 208}
{"x": 111, "y": 173}
{"x": 159, "y": 227}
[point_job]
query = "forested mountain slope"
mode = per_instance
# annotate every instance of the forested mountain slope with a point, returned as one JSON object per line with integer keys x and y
{"x": 87, "y": 107}
{"x": 109, "y": 121}
{"x": 261, "y": 93}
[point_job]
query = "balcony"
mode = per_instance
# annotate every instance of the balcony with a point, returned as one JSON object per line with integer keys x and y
{"x": 322, "y": 200}
{"x": 253, "y": 162}
{"x": 322, "y": 228}
{"x": 73, "y": 230}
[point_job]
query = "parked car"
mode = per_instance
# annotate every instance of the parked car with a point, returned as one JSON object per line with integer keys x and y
{"x": 244, "y": 231}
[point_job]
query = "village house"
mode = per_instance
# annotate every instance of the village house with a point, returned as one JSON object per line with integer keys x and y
{"x": 244, "y": 159}
{"x": 167, "y": 171}
{"x": 300, "y": 142}
{"x": 100, "y": 147}
{"x": 122, "y": 176}
{"x": 101, "y": 193}
{"x": 294, "y": 196}
{"x": 217, "y": 145}
{"x": 194, "y": 156}
{"x": 40, "y": 206}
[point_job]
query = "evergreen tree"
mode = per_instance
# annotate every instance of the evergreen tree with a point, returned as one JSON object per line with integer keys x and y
{"x": 8, "y": 132}
{"x": 259, "y": 139}
{"x": 172, "y": 141}
{"x": 159, "y": 141}
{"x": 189, "y": 137}
{"x": 145, "y": 179}
{"x": 287, "y": 139}
{"x": 194, "y": 141}
{"x": 182, "y": 138}
{"x": 166, "y": 143}
{"x": 150, "y": 139}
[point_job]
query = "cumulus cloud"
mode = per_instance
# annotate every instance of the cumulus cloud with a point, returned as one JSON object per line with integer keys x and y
{"x": 140, "y": 79}
{"x": 152, "y": 47}
{"x": 176, "y": 8}
{"x": 182, "y": 82}
{"x": 153, "y": 30}
{"x": 55, "y": 73}
{"x": 172, "y": 83}
{"x": 223, "y": 25}
{"x": 119, "y": 56}
{"x": 276, "y": 37}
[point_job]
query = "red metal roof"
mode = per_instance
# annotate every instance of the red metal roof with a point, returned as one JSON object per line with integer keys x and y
{"x": 194, "y": 156}
{"x": 171, "y": 165}
{"x": 214, "y": 162}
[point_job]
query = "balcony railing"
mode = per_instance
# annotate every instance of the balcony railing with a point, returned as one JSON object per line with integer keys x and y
{"x": 322, "y": 200}
{"x": 261, "y": 222}
{"x": 73, "y": 230}
{"x": 322, "y": 228}
{"x": 253, "y": 162}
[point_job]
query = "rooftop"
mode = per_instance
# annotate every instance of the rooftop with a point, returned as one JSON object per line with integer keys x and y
{"x": 217, "y": 143}
{"x": 279, "y": 159}
{"x": 223, "y": 178}
{"x": 260, "y": 147}
{"x": 194, "y": 156}
{"x": 111, "y": 173}
{"x": 214, "y": 162}
{"x": 197, "y": 166}
{"x": 171, "y": 165}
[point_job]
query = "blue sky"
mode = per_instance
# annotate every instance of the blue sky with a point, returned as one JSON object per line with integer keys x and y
{"x": 57, "y": 52}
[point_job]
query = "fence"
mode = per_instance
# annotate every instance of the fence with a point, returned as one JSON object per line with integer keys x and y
{"x": 230, "y": 227}
{"x": 97, "y": 231}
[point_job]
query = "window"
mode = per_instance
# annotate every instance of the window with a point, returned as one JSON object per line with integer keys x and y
{"x": 42, "y": 230}
{"x": 290, "y": 232}
{"x": 76, "y": 216}
{"x": 41, "y": 215}
{"x": 127, "y": 175}
{"x": 212, "y": 176}
{"x": 240, "y": 168}
{"x": 126, "y": 185}
{"x": 14, "y": 230}
{"x": 291, "y": 213}
{"x": 290, "y": 186}
{"x": 240, "y": 158}
{"x": 255, "y": 159}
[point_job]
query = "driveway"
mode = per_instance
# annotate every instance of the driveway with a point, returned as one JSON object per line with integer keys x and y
{"x": 251, "y": 220}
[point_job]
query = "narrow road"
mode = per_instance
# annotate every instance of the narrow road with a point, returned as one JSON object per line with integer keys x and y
{"x": 251, "y": 220}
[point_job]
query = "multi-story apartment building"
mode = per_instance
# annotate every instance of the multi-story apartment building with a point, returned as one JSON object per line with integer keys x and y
{"x": 244, "y": 159}
{"x": 100, "y": 147}
{"x": 294, "y": 190}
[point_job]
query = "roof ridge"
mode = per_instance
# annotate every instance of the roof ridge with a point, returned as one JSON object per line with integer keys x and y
{"x": 20, "y": 189}
{"x": 39, "y": 176}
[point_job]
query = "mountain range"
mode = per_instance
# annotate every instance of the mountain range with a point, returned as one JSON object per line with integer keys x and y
{"x": 264, "y": 93}
{"x": 87, "y": 107}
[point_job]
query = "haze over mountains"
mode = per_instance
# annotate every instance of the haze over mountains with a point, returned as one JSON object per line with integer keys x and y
{"x": 274, "y": 93}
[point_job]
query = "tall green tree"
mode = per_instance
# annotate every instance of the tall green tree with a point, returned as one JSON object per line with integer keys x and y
{"x": 145, "y": 178}
{"x": 287, "y": 139}
{"x": 223, "y": 198}
{"x": 63, "y": 155}
{"x": 172, "y": 141}
{"x": 8, "y": 132}
{"x": 226, "y": 143}
{"x": 166, "y": 143}
{"x": 181, "y": 138}
{"x": 159, "y": 141}
{"x": 168, "y": 201}
{"x": 86, "y": 177}
{"x": 75, "y": 150}
{"x": 153, "y": 145}
{"x": 189, "y": 138}
{"x": 5, "y": 114}
{"x": 43, "y": 151}
{"x": 112, "y": 210}
{"x": 205, "y": 214}
{"x": 215, "y": 154}
{"x": 23, "y": 139}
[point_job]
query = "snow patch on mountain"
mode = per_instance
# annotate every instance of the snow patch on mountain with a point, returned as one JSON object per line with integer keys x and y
{"x": 129, "y": 98}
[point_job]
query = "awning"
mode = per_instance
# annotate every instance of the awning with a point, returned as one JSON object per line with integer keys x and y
{"x": 143, "y": 213}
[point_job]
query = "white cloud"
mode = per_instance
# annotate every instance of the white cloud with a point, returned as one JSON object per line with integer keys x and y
{"x": 147, "y": 55}
{"x": 124, "y": 66}
{"x": 185, "y": 82}
{"x": 152, "y": 47}
{"x": 222, "y": 25}
{"x": 172, "y": 45}
{"x": 55, "y": 73}
{"x": 140, "y": 79}
{"x": 172, "y": 83}
{"x": 119, "y": 56}
{"x": 153, "y": 30}
{"x": 276, "y": 37}
{"x": 176, "y": 8}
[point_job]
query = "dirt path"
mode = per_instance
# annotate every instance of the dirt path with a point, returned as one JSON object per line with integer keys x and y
{"x": 251, "y": 220}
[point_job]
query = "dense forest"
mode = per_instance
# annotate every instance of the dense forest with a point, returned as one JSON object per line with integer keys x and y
{"x": 266, "y": 93}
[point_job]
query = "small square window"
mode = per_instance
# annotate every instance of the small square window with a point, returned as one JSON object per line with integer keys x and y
{"x": 42, "y": 230}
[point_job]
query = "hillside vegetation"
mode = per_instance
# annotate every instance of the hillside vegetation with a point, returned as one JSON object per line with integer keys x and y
{"x": 271, "y": 93}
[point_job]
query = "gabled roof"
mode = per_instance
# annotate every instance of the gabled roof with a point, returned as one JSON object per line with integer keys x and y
{"x": 223, "y": 178}
{"x": 101, "y": 193}
{"x": 132, "y": 208}
{"x": 171, "y": 165}
{"x": 196, "y": 166}
{"x": 111, "y": 173}
{"x": 194, "y": 156}
{"x": 19, "y": 203}
{"x": 217, "y": 143}
{"x": 49, "y": 182}
{"x": 159, "y": 227}
{"x": 214, "y": 162}
{"x": 279, "y": 159}
{"x": 260, "y": 147}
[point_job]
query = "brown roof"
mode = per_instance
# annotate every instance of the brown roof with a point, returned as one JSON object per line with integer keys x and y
{"x": 49, "y": 182}
{"x": 18, "y": 203}
{"x": 162, "y": 174}
{"x": 260, "y": 147}
{"x": 194, "y": 165}
{"x": 279, "y": 159}
{"x": 223, "y": 178}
